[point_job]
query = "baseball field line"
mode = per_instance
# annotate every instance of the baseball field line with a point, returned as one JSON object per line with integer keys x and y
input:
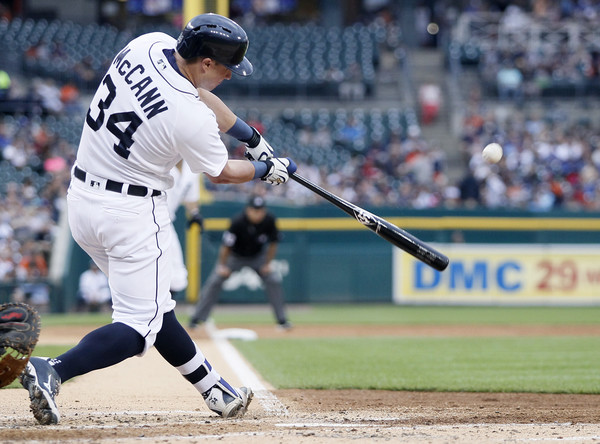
{"x": 546, "y": 431}
{"x": 245, "y": 374}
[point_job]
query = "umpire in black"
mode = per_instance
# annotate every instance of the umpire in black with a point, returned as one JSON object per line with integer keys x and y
{"x": 251, "y": 241}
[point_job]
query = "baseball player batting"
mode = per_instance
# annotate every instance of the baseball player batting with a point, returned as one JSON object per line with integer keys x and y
{"x": 144, "y": 118}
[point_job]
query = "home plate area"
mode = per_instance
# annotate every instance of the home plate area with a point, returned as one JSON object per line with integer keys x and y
{"x": 146, "y": 400}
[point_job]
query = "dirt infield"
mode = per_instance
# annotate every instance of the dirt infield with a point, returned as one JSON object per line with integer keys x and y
{"x": 145, "y": 400}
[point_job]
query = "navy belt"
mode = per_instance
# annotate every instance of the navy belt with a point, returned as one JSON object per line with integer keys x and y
{"x": 117, "y": 187}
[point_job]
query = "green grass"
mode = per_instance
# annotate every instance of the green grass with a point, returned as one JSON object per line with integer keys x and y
{"x": 74, "y": 319}
{"x": 557, "y": 364}
{"x": 51, "y": 350}
{"x": 367, "y": 314}
{"x": 488, "y": 364}
{"x": 549, "y": 364}
{"x": 418, "y": 315}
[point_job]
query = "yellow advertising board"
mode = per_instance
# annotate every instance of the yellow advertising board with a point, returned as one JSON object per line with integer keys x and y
{"x": 502, "y": 274}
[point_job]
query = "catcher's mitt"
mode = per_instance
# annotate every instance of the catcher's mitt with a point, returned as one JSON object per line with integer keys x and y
{"x": 19, "y": 333}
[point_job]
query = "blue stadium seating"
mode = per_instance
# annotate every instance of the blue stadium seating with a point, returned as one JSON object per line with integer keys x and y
{"x": 307, "y": 60}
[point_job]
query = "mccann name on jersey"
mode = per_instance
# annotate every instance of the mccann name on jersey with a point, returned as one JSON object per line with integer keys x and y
{"x": 147, "y": 95}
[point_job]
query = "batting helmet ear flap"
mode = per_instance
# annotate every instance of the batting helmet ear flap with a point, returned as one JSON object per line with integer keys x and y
{"x": 216, "y": 37}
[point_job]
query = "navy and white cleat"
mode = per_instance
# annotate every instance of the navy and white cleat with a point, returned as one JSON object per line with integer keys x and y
{"x": 227, "y": 403}
{"x": 43, "y": 384}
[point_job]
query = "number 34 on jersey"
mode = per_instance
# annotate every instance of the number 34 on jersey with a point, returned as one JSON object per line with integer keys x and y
{"x": 124, "y": 124}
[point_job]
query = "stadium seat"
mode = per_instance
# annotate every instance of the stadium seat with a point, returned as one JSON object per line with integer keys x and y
{"x": 290, "y": 60}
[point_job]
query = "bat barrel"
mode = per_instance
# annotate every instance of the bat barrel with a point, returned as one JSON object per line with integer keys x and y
{"x": 440, "y": 263}
{"x": 414, "y": 246}
{"x": 384, "y": 229}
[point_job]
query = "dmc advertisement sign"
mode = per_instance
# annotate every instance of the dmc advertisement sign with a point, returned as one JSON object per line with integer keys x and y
{"x": 502, "y": 274}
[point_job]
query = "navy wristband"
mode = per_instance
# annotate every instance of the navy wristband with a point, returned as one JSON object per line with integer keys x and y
{"x": 260, "y": 169}
{"x": 241, "y": 131}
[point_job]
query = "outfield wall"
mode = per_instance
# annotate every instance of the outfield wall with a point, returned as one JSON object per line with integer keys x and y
{"x": 325, "y": 256}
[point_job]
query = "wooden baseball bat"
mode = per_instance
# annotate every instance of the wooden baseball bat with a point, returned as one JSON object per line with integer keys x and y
{"x": 388, "y": 231}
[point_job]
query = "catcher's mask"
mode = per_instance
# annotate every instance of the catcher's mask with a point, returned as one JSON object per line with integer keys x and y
{"x": 218, "y": 38}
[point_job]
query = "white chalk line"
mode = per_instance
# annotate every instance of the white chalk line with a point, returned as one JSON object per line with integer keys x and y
{"x": 246, "y": 375}
{"x": 424, "y": 429}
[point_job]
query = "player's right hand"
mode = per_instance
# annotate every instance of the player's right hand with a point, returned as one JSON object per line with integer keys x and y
{"x": 261, "y": 151}
{"x": 279, "y": 170}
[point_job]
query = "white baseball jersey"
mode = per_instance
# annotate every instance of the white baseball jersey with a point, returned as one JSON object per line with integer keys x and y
{"x": 145, "y": 117}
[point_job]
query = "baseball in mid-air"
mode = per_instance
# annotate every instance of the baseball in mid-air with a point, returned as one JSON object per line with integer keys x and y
{"x": 492, "y": 153}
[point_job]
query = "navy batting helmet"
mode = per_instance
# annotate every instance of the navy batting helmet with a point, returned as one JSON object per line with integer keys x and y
{"x": 216, "y": 37}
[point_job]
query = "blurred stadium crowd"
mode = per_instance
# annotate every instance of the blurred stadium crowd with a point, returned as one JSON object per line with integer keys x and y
{"x": 368, "y": 154}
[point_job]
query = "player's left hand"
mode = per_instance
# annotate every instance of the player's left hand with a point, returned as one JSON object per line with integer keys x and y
{"x": 279, "y": 170}
{"x": 261, "y": 151}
